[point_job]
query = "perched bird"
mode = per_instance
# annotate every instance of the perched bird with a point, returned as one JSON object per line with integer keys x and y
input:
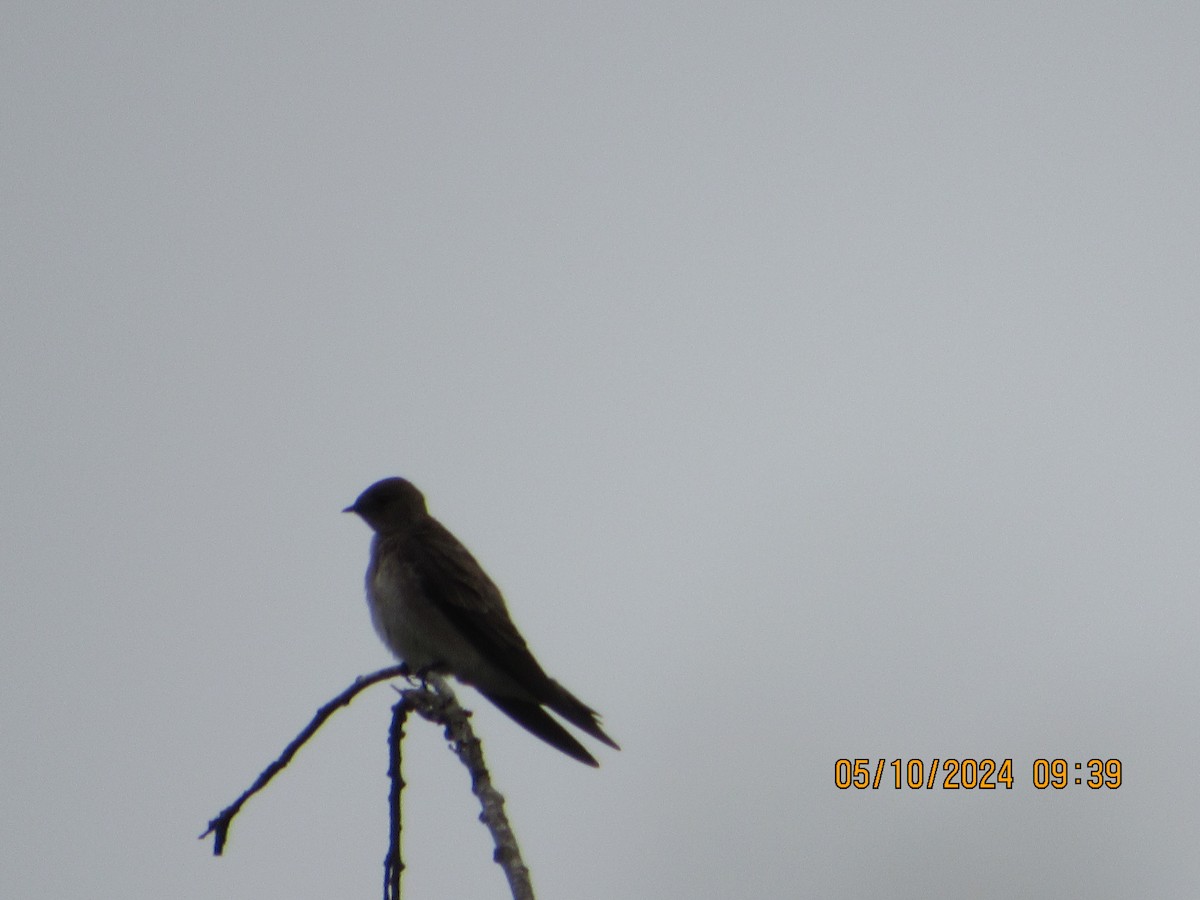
{"x": 437, "y": 611}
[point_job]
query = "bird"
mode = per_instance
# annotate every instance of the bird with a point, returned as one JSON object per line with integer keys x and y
{"x": 436, "y": 609}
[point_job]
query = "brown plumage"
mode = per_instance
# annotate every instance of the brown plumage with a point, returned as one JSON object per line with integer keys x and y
{"x": 437, "y": 610}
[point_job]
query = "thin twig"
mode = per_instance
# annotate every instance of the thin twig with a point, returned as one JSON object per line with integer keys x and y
{"x": 393, "y": 864}
{"x": 219, "y": 827}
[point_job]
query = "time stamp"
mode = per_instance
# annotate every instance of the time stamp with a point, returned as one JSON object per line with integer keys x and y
{"x": 973, "y": 774}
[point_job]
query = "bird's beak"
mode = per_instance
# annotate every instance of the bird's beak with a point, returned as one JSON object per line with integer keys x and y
{"x": 349, "y": 509}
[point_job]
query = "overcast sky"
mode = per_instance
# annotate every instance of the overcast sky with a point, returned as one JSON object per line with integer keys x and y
{"x": 817, "y": 381}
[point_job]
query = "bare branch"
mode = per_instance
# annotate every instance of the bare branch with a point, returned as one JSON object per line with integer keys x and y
{"x": 219, "y": 827}
{"x": 432, "y": 700}
{"x": 441, "y": 706}
{"x": 393, "y": 864}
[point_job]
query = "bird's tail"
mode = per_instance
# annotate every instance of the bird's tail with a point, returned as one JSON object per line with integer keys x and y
{"x": 577, "y": 713}
{"x": 530, "y": 716}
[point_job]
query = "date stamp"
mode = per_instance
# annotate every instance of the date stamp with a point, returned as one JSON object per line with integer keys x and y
{"x": 958, "y": 774}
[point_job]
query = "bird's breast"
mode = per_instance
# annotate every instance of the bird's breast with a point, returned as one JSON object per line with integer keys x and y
{"x": 412, "y": 626}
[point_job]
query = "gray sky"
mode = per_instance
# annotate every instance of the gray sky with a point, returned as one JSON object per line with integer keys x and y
{"x": 817, "y": 382}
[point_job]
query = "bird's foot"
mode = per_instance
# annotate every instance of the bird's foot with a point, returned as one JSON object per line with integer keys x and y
{"x": 422, "y": 674}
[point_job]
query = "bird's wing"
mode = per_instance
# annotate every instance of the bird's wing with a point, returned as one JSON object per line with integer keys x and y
{"x": 451, "y": 578}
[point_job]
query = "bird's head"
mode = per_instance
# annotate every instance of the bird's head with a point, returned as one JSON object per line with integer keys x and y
{"x": 389, "y": 505}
